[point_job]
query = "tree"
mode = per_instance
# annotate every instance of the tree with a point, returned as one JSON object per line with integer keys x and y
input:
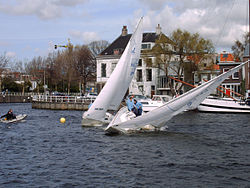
{"x": 9, "y": 83}
{"x": 181, "y": 52}
{"x": 4, "y": 60}
{"x": 191, "y": 49}
{"x": 96, "y": 47}
{"x": 239, "y": 47}
{"x": 85, "y": 65}
{"x": 36, "y": 68}
{"x": 53, "y": 75}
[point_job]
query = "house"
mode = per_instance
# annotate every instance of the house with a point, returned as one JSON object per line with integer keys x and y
{"x": 233, "y": 83}
{"x": 207, "y": 69}
{"x": 147, "y": 79}
{"x": 246, "y": 57}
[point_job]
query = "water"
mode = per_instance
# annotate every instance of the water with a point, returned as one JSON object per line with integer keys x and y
{"x": 199, "y": 150}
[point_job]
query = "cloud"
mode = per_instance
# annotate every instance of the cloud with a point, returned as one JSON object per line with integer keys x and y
{"x": 221, "y": 22}
{"x": 86, "y": 37}
{"x": 43, "y": 9}
{"x": 153, "y": 4}
{"x": 70, "y": 2}
{"x": 10, "y": 54}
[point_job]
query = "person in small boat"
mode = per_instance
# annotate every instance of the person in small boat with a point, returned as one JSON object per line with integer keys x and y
{"x": 137, "y": 108}
{"x": 130, "y": 103}
{"x": 9, "y": 115}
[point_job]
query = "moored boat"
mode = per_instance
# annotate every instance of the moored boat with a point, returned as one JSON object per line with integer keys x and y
{"x": 157, "y": 101}
{"x": 223, "y": 105}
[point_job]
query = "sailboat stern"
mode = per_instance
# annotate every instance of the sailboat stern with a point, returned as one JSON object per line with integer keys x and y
{"x": 90, "y": 122}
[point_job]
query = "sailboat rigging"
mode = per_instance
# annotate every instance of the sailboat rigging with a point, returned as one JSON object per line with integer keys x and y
{"x": 158, "y": 117}
{"x": 115, "y": 88}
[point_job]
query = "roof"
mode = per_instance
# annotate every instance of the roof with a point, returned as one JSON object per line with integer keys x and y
{"x": 121, "y": 42}
{"x": 226, "y": 57}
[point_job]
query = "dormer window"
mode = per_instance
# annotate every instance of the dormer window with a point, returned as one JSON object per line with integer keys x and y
{"x": 146, "y": 46}
{"x": 117, "y": 51}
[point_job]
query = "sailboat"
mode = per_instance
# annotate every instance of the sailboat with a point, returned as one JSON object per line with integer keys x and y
{"x": 116, "y": 86}
{"x": 158, "y": 117}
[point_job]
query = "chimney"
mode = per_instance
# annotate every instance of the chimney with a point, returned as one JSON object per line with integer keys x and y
{"x": 158, "y": 29}
{"x": 124, "y": 30}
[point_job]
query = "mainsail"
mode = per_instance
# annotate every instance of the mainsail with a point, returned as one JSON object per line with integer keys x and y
{"x": 159, "y": 116}
{"x": 115, "y": 88}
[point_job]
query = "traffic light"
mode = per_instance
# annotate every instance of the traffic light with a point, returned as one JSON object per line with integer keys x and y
{"x": 55, "y": 46}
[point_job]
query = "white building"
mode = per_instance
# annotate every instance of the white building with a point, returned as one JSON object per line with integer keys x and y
{"x": 147, "y": 80}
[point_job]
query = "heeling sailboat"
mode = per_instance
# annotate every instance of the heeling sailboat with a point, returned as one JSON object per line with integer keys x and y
{"x": 115, "y": 88}
{"x": 158, "y": 117}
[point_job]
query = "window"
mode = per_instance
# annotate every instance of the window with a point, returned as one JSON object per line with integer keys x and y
{"x": 148, "y": 75}
{"x": 117, "y": 51}
{"x": 146, "y": 46}
{"x": 236, "y": 75}
{"x": 113, "y": 66}
{"x": 152, "y": 88}
{"x": 140, "y": 63}
{"x": 103, "y": 70}
{"x": 148, "y": 62}
{"x": 139, "y": 75}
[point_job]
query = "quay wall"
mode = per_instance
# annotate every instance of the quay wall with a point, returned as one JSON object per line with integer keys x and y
{"x": 59, "y": 105}
{"x": 62, "y": 102}
{"x": 15, "y": 99}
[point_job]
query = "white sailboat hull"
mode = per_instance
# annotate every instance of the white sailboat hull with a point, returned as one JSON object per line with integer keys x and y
{"x": 223, "y": 106}
{"x": 88, "y": 122}
{"x": 124, "y": 115}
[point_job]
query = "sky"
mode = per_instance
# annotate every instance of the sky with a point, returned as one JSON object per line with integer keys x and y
{"x": 31, "y": 28}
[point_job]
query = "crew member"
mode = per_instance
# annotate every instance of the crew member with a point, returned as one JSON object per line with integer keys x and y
{"x": 137, "y": 108}
{"x": 9, "y": 115}
{"x": 130, "y": 103}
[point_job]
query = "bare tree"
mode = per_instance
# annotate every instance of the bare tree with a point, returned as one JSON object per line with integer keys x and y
{"x": 239, "y": 47}
{"x": 36, "y": 68}
{"x": 4, "y": 60}
{"x": 85, "y": 65}
{"x": 96, "y": 47}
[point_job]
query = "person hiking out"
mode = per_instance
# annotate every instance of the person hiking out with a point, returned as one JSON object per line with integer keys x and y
{"x": 137, "y": 108}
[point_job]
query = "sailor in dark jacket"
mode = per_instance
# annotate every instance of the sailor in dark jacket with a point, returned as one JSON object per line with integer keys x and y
{"x": 9, "y": 115}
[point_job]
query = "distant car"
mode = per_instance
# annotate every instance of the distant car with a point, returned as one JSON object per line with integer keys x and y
{"x": 92, "y": 95}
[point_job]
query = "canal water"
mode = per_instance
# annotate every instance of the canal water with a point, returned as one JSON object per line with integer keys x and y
{"x": 198, "y": 150}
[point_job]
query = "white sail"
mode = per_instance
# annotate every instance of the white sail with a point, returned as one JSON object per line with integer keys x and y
{"x": 115, "y": 88}
{"x": 159, "y": 116}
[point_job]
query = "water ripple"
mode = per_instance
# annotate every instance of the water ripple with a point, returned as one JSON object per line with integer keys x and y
{"x": 198, "y": 150}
